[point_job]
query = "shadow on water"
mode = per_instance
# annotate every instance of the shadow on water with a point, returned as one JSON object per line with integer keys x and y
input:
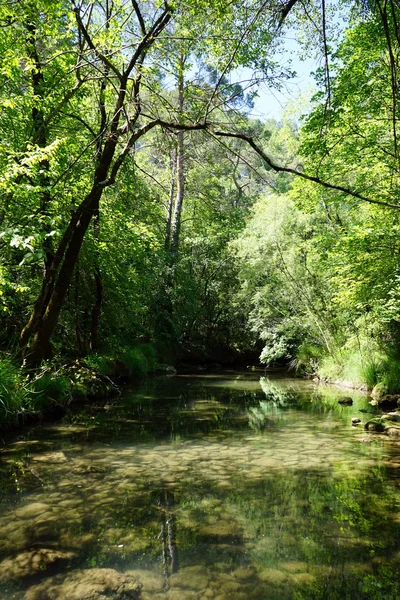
{"x": 217, "y": 486}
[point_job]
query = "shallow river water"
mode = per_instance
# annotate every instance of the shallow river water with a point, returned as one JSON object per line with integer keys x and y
{"x": 224, "y": 486}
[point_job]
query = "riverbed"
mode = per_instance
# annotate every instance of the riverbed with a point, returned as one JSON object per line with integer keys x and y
{"x": 226, "y": 486}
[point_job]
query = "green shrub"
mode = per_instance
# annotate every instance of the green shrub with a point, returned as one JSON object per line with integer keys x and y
{"x": 100, "y": 363}
{"x": 50, "y": 387}
{"x": 307, "y": 358}
{"x": 371, "y": 372}
{"x": 13, "y": 394}
{"x": 391, "y": 374}
{"x": 139, "y": 360}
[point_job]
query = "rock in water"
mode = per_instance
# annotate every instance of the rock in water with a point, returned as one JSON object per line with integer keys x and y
{"x": 89, "y": 584}
{"x": 355, "y": 421}
{"x": 345, "y": 401}
{"x": 31, "y": 562}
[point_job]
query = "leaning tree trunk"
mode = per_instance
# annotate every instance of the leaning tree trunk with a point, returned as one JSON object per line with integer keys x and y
{"x": 47, "y": 321}
{"x": 58, "y": 278}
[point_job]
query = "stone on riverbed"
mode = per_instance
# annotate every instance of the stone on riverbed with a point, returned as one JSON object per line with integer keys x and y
{"x": 89, "y": 584}
{"x": 33, "y": 510}
{"x": 152, "y": 582}
{"x": 193, "y": 578}
{"x": 392, "y": 416}
{"x": 388, "y": 424}
{"x": 31, "y": 562}
{"x": 375, "y": 425}
{"x": 345, "y": 401}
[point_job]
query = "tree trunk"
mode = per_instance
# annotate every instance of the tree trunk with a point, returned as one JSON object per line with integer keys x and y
{"x": 180, "y": 164}
{"x": 39, "y": 134}
{"x": 170, "y": 206}
{"x": 47, "y": 321}
{"x": 96, "y": 310}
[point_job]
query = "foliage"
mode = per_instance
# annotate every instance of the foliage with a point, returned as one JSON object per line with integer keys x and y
{"x": 140, "y": 359}
{"x": 13, "y": 393}
{"x": 50, "y": 388}
{"x": 95, "y": 144}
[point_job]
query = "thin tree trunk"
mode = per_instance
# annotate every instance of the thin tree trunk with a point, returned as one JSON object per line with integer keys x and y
{"x": 39, "y": 134}
{"x": 167, "y": 241}
{"x": 96, "y": 310}
{"x": 180, "y": 168}
{"x": 78, "y": 333}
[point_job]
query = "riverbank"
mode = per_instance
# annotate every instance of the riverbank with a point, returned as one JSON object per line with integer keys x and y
{"x": 49, "y": 392}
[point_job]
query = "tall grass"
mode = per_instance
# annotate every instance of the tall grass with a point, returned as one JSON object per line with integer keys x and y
{"x": 100, "y": 363}
{"x": 139, "y": 359}
{"x": 307, "y": 358}
{"x": 390, "y": 376}
{"x": 50, "y": 388}
{"x": 14, "y": 396}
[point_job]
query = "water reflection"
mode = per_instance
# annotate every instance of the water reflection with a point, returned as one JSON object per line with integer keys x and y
{"x": 200, "y": 488}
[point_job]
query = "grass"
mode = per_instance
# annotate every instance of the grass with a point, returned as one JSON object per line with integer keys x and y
{"x": 56, "y": 387}
{"x": 139, "y": 359}
{"x": 51, "y": 388}
{"x": 390, "y": 374}
{"x": 13, "y": 393}
{"x": 307, "y": 358}
{"x": 363, "y": 363}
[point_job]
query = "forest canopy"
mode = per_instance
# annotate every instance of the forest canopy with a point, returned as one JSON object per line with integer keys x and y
{"x": 142, "y": 203}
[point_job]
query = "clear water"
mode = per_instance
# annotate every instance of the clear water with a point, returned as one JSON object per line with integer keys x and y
{"x": 225, "y": 486}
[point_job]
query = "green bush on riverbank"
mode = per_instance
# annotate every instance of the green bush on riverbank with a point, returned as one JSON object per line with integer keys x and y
{"x": 13, "y": 393}
{"x": 56, "y": 386}
{"x": 360, "y": 362}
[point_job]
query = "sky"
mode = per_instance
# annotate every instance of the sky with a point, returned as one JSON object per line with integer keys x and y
{"x": 272, "y": 103}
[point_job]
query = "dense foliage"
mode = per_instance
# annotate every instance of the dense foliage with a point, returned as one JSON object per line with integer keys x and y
{"x": 142, "y": 204}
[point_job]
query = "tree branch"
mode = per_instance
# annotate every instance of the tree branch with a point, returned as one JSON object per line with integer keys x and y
{"x": 139, "y": 17}
{"x": 91, "y": 45}
{"x": 317, "y": 180}
{"x": 149, "y": 38}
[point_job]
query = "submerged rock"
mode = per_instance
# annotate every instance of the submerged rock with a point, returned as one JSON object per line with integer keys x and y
{"x": 195, "y": 578}
{"x": 33, "y": 510}
{"x": 393, "y": 416}
{"x": 389, "y": 424}
{"x": 345, "y": 401}
{"x": 393, "y": 431}
{"x": 89, "y": 584}
{"x": 31, "y": 562}
{"x": 375, "y": 425}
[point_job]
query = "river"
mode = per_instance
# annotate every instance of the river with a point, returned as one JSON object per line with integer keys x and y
{"x": 224, "y": 486}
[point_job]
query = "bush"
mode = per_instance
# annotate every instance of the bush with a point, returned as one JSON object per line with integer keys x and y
{"x": 371, "y": 372}
{"x": 100, "y": 363}
{"x": 391, "y": 374}
{"x": 13, "y": 394}
{"x": 307, "y": 358}
{"x": 50, "y": 387}
{"x": 139, "y": 359}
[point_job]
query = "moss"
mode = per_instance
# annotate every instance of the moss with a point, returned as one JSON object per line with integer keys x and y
{"x": 385, "y": 424}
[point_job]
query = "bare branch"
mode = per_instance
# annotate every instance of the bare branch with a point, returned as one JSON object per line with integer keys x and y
{"x": 91, "y": 45}
{"x": 149, "y": 38}
{"x": 285, "y": 11}
{"x": 139, "y": 17}
{"x": 317, "y": 180}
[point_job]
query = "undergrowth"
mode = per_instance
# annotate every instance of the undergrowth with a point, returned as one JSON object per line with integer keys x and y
{"x": 54, "y": 385}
